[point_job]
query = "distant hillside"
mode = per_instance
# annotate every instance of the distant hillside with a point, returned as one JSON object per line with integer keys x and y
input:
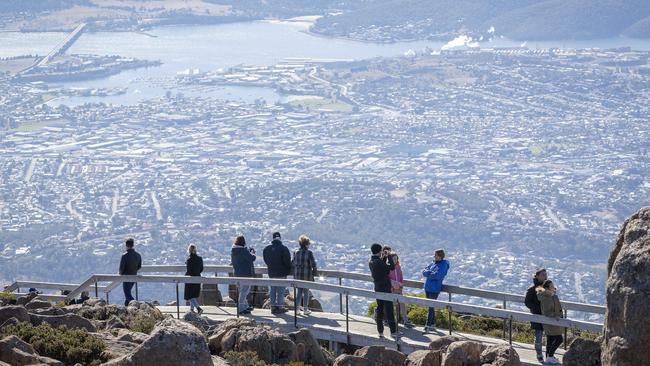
{"x": 519, "y": 20}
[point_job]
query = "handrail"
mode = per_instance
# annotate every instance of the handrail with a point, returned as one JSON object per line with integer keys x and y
{"x": 450, "y": 289}
{"x": 513, "y": 315}
{"x": 43, "y": 285}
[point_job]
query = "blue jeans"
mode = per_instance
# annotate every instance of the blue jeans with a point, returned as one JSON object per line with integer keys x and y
{"x": 242, "y": 301}
{"x": 431, "y": 317}
{"x": 194, "y": 304}
{"x": 303, "y": 294}
{"x": 539, "y": 333}
{"x": 277, "y": 296}
{"x": 127, "y": 286}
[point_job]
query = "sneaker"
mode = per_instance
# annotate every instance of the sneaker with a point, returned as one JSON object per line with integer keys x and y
{"x": 381, "y": 336}
{"x": 306, "y": 312}
{"x": 244, "y": 312}
{"x": 199, "y": 311}
{"x": 250, "y": 308}
{"x": 427, "y": 329}
{"x": 552, "y": 361}
{"x": 540, "y": 358}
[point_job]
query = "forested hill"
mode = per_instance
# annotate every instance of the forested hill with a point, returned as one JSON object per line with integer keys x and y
{"x": 516, "y": 19}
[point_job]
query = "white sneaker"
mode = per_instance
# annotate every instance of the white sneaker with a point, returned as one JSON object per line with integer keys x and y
{"x": 306, "y": 311}
{"x": 552, "y": 361}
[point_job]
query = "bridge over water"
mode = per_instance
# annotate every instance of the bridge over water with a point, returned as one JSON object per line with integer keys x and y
{"x": 340, "y": 327}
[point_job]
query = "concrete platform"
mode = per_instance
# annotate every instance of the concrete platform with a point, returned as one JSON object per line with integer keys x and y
{"x": 362, "y": 330}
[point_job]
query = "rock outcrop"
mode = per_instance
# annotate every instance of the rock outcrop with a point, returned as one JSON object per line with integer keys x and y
{"x": 216, "y": 335}
{"x": 351, "y": 360}
{"x": 582, "y": 352}
{"x": 424, "y": 358}
{"x": 441, "y": 344}
{"x": 270, "y": 345}
{"x": 380, "y": 355}
{"x": 171, "y": 343}
{"x": 500, "y": 355}
{"x": 463, "y": 353}
{"x": 71, "y": 321}
{"x": 309, "y": 351}
{"x": 13, "y": 311}
{"x": 627, "y": 329}
{"x": 15, "y": 352}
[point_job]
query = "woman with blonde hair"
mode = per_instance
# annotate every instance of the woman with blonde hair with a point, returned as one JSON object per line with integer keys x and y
{"x": 194, "y": 265}
{"x": 304, "y": 269}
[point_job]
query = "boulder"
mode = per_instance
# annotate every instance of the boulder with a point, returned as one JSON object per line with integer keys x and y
{"x": 13, "y": 311}
{"x": 22, "y": 300}
{"x": 170, "y": 341}
{"x": 15, "y": 352}
{"x": 48, "y": 311}
{"x": 463, "y": 353}
{"x": 71, "y": 321}
{"x": 309, "y": 351}
{"x": 9, "y": 322}
{"x": 94, "y": 302}
{"x": 500, "y": 355}
{"x": 381, "y": 355}
{"x": 424, "y": 358}
{"x": 38, "y": 303}
{"x": 131, "y": 336}
{"x": 115, "y": 347}
{"x": 198, "y": 321}
{"x": 441, "y": 344}
{"x": 216, "y": 335}
{"x": 218, "y": 361}
{"x": 270, "y": 345}
{"x": 350, "y": 360}
{"x": 626, "y": 333}
{"x": 582, "y": 352}
{"x": 115, "y": 323}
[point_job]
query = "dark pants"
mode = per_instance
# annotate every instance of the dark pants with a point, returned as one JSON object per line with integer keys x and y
{"x": 431, "y": 317}
{"x": 127, "y": 286}
{"x": 552, "y": 343}
{"x": 385, "y": 311}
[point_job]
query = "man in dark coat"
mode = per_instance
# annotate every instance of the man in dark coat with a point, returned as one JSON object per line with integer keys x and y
{"x": 194, "y": 265}
{"x": 533, "y": 304}
{"x": 242, "y": 259}
{"x": 380, "y": 266}
{"x": 278, "y": 261}
{"x": 130, "y": 263}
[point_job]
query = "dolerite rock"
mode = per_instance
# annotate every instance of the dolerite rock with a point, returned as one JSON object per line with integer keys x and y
{"x": 15, "y": 352}
{"x": 49, "y": 311}
{"x": 424, "y": 358}
{"x": 441, "y": 344}
{"x": 215, "y": 336}
{"x": 500, "y": 355}
{"x": 22, "y": 300}
{"x": 115, "y": 323}
{"x": 115, "y": 347}
{"x": 463, "y": 353}
{"x": 582, "y": 352}
{"x": 627, "y": 326}
{"x": 218, "y": 361}
{"x": 350, "y": 360}
{"x": 130, "y": 336}
{"x": 310, "y": 352}
{"x": 381, "y": 355}
{"x": 71, "y": 321}
{"x": 171, "y": 343}
{"x": 198, "y": 321}
{"x": 13, "y": 311}
{"x": 9, "y": 322}
{"x": 270, "y": 345}
{"x": 37, "y": 303}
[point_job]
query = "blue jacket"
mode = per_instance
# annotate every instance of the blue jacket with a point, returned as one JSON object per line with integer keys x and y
{"x": 435, "y": 273}
{"x": 278, "y": 259}
{"x": 242, "y": 261}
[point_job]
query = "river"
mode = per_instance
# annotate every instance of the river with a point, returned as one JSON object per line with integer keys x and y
{"x": 211, "y": 47}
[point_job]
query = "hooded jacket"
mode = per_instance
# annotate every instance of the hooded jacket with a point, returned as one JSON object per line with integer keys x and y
{"x": 532, "y": 303}
{"x": 278, "y": 259}
{"x": 435, "y": 273}
{"x": 242, "y": 261}
{"x": 551, "y": 307}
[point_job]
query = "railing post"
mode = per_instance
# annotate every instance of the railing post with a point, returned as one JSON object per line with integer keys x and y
{"x": 504, "y": 320}
{"x": 510, "y": 337}
{"x": 340, "y": 295}
{"x": 449, "y": 319}
{"x": 565, "y": 330}
{"x": 449, "y": 293}
{"x": 96, "y": 290}
{"x": 295, "y": 307}
{"x": 178, "y": 303}
{"x": 107, "y": 303}
{"x": 237, "y": 299}
{"x": 347, "y": 319}
{"x": 136, "y": 292}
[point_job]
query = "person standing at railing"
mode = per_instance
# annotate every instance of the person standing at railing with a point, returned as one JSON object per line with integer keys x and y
{"x": 397, "y": 285}
{"x": 434, "y": 273}
{"x": 551, "y": 307}
{"x": 194, "y": 265}
{"x": 533, "y": 304}
{"x": 380, "y": 266}
{"x": 242, "y": 261}
{"x": 278, "y": 261}
{"x": 304, "y": 269}
{"x": 130, "y": 264}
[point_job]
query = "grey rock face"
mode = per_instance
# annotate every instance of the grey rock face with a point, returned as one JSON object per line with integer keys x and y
{"x": 500, "y": 355}
{"x": 627, "y": 318}
{"x": 582, "y": 352}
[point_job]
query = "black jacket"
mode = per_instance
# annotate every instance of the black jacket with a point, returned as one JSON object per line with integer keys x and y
{"x": 533, "y": 304}
{"x": 242, "y": 261}
{"x": 130, "y": 263}
{"x": 194, "y": 264}
{"x": 278, "y": 259}
{"x": 380, "y": 268}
